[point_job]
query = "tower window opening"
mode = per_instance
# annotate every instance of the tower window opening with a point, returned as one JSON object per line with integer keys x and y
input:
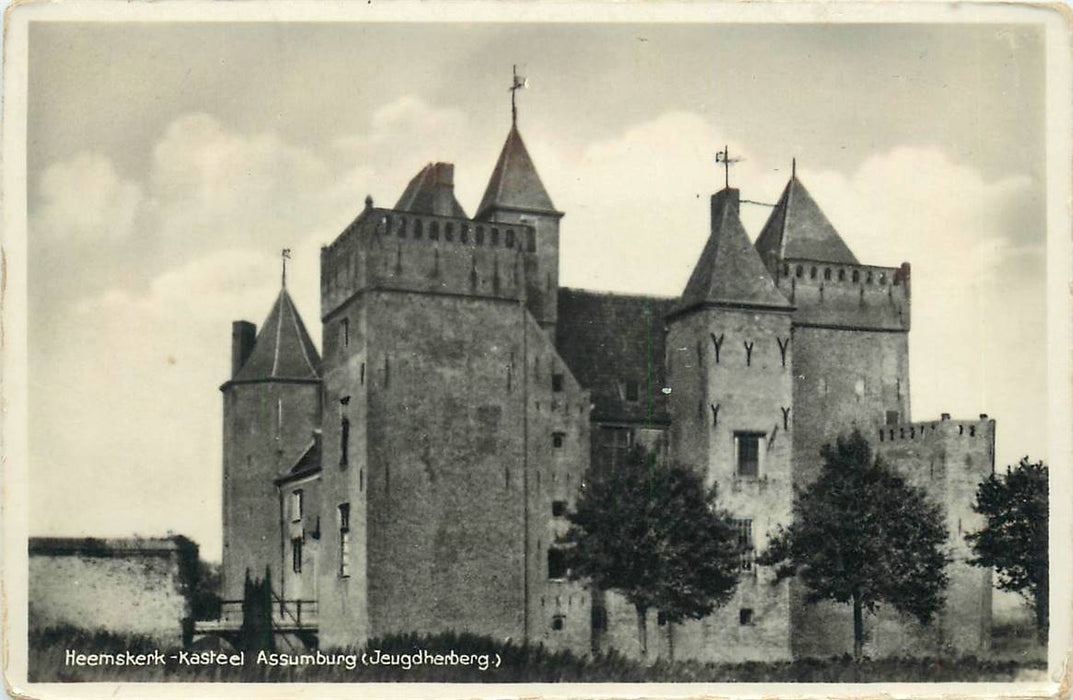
{"x": 557, "y": 439}
{"x": 509, "y": 238}
{"x": 557, "y": 382}
{"x": 841, "y": 275}
{"x": 556, "y": 564}
{"x": 558, "y": 509}
{"x": 463, "y": 233}
{"x": 344, "y": 540}
{"x": 418, "y": 228}
{"x": 433, "y": 231}
{"x": 296, "y": 505}
{"x": 296, "y": 555}
{"x": 812, "y": 273}
{"x": 557, "y": 623}
{"x": 530, "y": 237}
{"x": 893, "y": 417}
{"x": 799, "y": 271}
{"x": 632, "y": 391}
{"x": 401, "y": 230}
{"x": 827, "y": 273}
{"x": 344, "y": 442}
{"x": 661, "y": 618}
{"x": 746, "y": 547}
{"x": 448, "y": 231}
{"x": 882, "y": 278}
{"x": 747, "y": 447}
{"x": 786, "y": 270}
{"x": 745, "y": 616}
{"x": 344, "y": 332}
{"x": 856, "y": 275}
{"x": 480, "y": 235}
{"x": 869, "y": 278}
{"x": 495, "y": 236}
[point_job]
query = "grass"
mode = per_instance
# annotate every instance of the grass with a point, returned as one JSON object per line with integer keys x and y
{"x": 519, "y": 664}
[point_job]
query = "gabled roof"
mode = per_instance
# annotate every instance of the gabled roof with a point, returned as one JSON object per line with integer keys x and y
{"x": 515, "y": 183}
{"x": 283, "y": 349}
{"x": 798, "y": 228}
{"x": 729, "y": 270}
{"x": 609, "y": 339}
{"x": 308, "y": 463}
{"x": 431, "y": 191}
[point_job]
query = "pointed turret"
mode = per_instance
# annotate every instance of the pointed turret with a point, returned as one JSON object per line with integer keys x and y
{"x": 283, "y": 349}
{"x": 729, "y": 271}
{"x": 798, "y": 229}
{"x": 515, "y": 185}
{"x": 432, "y": 191}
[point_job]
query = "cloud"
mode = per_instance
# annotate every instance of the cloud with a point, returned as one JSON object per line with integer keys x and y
{"x": 84, "y": 201}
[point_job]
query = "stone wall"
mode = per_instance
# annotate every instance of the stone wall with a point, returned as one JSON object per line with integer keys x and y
{"x": 124, "y": 586}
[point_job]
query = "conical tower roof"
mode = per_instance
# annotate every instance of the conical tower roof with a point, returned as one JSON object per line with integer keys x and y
{"x": 729, "y": 271}
{"x": 283, "y": 349}
{"x": 798, "y": 228}
{"x": 515, "y": 184}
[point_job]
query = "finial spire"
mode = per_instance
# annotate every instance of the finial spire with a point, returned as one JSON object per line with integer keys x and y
{"x": 285, "y": 255}
{"x": 793, "y": 168}
{"x": 723, "y": 157}
{"x": 519, "y": 82}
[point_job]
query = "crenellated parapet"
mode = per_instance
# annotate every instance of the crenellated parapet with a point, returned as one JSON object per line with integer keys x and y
{"x": 389, "y": 250}
{"x": 943, "y": 429}
{"x": 846, "y": 296}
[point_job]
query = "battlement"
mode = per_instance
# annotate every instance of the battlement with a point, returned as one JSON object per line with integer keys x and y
{"x": 941, "y": 429}
{"x": 838, "y": 295}
{"x": 387, "y": 249}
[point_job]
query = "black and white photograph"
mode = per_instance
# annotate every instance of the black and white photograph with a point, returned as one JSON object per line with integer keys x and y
{"x": 531, "y": 345}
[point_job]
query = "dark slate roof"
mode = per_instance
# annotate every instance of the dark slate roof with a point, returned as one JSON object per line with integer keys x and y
{"x": 431, "y": 191}
{"x": 515, "y": 183}
{"x": 308, "y": 463}
{"x": 283, "y": 349}
{"x": 729, "y": 270}
{"x": 798, "y": 228}
{"x": 609, "y": 339}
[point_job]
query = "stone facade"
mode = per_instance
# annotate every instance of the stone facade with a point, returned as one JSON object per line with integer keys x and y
{"x": 418, "y": 476}
{"x": 123, "y": 586}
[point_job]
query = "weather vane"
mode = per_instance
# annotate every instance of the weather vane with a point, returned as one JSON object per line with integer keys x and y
{"x": 285, "y": 254}
{"x": 520, "y": 82}
{"x": 723, "y": 157}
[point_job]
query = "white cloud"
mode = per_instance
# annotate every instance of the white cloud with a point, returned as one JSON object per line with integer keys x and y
{"x": 85, "y": 201}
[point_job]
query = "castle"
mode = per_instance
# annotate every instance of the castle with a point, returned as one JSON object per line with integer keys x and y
{"x": 417, "y": 475}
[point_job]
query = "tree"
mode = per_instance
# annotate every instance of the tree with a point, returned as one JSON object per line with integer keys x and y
{"x": 1014, "y": 541}
{"x": 862, "y": 535}
{"x": 650, "y": 531}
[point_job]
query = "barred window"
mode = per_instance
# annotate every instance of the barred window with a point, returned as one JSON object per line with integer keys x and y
{"x": 747, "y": 446}
{"x": 746, "y": 548}
{"x": 344, "y": 540}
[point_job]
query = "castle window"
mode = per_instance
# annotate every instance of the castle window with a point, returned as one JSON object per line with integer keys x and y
{"x": 480, "y": 235}
{"x": 812, "y": 273}
{"x": 661, "y": 618}
{"x": 418, "y": 228}
{"x": 893, "y": 417}
{"x": 344, "y": 442}
{"x": 448, "y": 231}
{"x": 344, "y": 540}
{"x": 434, "y": 231}
{"x": 296, "y": 555}
{"x": 786, "y": 270}
{"x": 558, "y": 509}
{"x": 882, "y": 278}
{"x": 841, "y": 275}
{"x": 557, "y": 439}
{"x": 362, "y": 374}
{"x": 463, "y": 233}
{"x": 827, "y": 273}
{"x": 530, "y": 237}
{"x": 556, "y": 564}
{"x": 746, "y": 547}
{"x": 869, "y": 277}
{"x": 599, "y": 618}
{"x": 556, "y": 382}
{"x": 296, "y": 505}
{"x": 495, "y": 236}
{"x": 557, "y": 623}
{"x": 344, "y": 332}
{"x": 509, "y": 238}
{"x": 632, "y": 391}
{"x": 401, "y": 230}
{"x": 745, "y": 616}
{"x": 748, "y": 454}
{"x": 856, "y": 275}
{"x": 799, "y": 271}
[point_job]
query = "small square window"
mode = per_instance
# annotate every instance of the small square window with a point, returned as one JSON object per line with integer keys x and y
{"x": 748, "y": 448}
{"x": 557, "y": 439}
{"x": 556, "y": 382}
{"x": 556, "y": 564}
{"x": 745, "y": 616}
{"x": 558, "y": 622}
{"x": 558, "y": 508}
{"x": 893, "y": 417}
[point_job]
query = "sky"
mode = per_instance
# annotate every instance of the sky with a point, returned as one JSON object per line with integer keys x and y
{"x": 169, "y": 164}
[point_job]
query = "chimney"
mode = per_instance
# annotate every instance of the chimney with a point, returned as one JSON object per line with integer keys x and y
{"x": 243, "y": 336}
{"x": 983, "y": 416}
{"x": 946, "y": 416}
{"x": 443, "y": 185}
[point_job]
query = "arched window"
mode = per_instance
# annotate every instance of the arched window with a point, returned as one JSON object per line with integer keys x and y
{"x": 856, "y": 275}
{"x": 480, "y": 235}
{"x": 841, "y": 275}
{"x": 827, "y": 273}
{"x": 869, "y": 277}
{"x": 448, "y": 231}
{"x": 812, "y": 273}
{"x": 401, "y": 230}
{"x": 433, "y": 231}
{"x": 509, "y": 238}
{"x": 786, "y": 270}
{"x": 798, "y": 272}
{"x": 463, "y": 233}
{"x": 495, "y": 236}
{"x": 417, "y": 228}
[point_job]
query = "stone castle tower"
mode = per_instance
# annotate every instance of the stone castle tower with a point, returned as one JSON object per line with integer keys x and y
{"x": 416, "y": 478}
